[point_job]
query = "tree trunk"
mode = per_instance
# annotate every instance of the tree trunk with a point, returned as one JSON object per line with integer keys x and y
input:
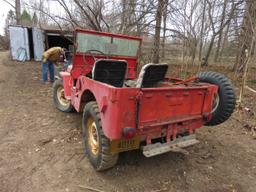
{"x": 123, "y": 17}
{"x": 193, "y": 55}
{"x": 221, "y": 31}
{"x": 225, "y": 40}
{"x": 206, "y": 59}
{"x": 164, "y": 28}
{"x": 202, "y": 33}
{"x": 17, "y": 11}
{"x": 246, "y": 36}
{"x": 158, "y": 18}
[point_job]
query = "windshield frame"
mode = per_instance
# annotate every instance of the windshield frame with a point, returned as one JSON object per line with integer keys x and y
{"x": 130, "y": 40}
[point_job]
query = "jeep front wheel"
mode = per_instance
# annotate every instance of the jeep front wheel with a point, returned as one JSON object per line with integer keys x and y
{"x": 59, "y": 99}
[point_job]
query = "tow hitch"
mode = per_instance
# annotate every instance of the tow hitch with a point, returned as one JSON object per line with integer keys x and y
{"x": 177, "y": 145}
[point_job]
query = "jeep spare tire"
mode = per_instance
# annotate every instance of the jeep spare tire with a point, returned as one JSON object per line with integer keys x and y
{"x": 225, "y": 101}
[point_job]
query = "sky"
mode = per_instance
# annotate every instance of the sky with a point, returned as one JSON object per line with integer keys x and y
{"x": 3, "y": 12}
{"x": 5, "y": 7}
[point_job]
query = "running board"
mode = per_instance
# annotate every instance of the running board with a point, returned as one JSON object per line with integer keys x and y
{"x": 176, "y": 146}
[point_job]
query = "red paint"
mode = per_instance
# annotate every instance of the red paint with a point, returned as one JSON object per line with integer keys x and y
{"x": 167, "y": 110}
{"x": 80, "y": 61}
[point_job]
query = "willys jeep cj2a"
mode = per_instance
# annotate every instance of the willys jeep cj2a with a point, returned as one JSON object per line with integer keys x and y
{"x": 123, "y": 112}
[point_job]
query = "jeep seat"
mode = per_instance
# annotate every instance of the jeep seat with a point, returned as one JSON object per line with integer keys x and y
{"x": 151, "y": 74}
{"x": 111, "y": 72}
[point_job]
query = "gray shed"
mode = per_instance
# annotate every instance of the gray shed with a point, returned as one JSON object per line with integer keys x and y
{"x": 28, "y": 43}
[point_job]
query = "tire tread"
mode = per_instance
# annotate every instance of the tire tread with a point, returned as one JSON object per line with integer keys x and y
{"x": 105, "y": 159}
{"x": 227, "y": 96}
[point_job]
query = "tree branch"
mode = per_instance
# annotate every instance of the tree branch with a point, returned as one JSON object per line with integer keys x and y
{"x": 13, "y": 6}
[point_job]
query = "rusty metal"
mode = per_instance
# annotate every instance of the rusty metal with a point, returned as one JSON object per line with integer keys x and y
{"x": 61, "y": 97}
{"x": 164, "y": 111}
{"x": 175, "y": 146}
{"x": 93, "y": 136}
{"x": 121, "y": 145}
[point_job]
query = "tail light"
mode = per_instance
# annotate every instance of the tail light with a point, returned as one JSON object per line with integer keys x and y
{"x": 207, "y": 116}
{"x": 129, "y": 132}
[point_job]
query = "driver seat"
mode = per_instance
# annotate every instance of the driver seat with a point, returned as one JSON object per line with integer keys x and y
{"x": 109, "y": 71}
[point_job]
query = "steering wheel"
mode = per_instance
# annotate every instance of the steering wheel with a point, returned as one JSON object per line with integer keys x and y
{"x": 93, "y": 56}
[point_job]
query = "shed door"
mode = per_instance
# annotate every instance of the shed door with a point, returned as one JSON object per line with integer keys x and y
{"x": 19, "y": 43}
{"x": 38, "y": 43}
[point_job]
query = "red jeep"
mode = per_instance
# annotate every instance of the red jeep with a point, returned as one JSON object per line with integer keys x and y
{"x": 124, "y": 112}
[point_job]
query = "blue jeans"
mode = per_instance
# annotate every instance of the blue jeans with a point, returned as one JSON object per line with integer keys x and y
{"x": 48, "y": 65}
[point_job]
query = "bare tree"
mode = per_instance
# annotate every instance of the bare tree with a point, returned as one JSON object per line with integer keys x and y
{"x": 193, "y": 28}
{"x": 134, "y": 17}
{"x": 216, "y": 31}
{"x": 92, "y": 15}
{"x": 165, "y": 15}
{"x": 17, "y": 7}
{"x": 223, "y": 15}
{"x": 72, "y": 20}
{"x": 246, "y": 36}
{"x": 17, "y": 11}
{"x": 158, "y": 18}
{"x": 202, "y": 31}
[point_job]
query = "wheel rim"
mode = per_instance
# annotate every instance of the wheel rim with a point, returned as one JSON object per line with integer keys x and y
{"x": 216, "y": 102}
{"x": 93, "y": 136}
{"x": 61, "y": 97}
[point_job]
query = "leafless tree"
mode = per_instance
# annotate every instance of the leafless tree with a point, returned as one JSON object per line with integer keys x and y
{"x": 187, "y": 29}
{"x": 165, "y": 16}
{"x": 158, "y": 18}
{"x": 17, "y": 7}
{"x": 214, "y": 23}
{"x": 202, "y": 30}
{"x": 246, "y": 36}
{"x": 17, "y": 10}
{"x": 223, "y": 15}
{"x": 135, "y": 16}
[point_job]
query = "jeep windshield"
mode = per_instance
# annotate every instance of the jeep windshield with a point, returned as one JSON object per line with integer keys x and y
{"x": 116, "y": 46}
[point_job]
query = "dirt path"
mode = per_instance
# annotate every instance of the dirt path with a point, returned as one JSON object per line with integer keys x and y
{"x": 41, "y": 149}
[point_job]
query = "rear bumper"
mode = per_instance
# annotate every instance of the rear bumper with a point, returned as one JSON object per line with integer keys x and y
{"x": 176, "y": 146}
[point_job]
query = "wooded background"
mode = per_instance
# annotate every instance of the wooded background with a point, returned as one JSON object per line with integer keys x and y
{"x": 192, "y": 33}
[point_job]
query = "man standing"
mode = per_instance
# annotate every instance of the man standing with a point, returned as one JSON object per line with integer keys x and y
{"x": 50, "y": 57}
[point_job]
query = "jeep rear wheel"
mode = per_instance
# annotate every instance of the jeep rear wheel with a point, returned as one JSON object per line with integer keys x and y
{"x": 59, "y": 99}
{"x": 97, "y": 145}
{"x": 225, "y": 100}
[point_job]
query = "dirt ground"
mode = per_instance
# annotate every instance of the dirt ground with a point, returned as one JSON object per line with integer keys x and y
{"x": 41, "y": 149}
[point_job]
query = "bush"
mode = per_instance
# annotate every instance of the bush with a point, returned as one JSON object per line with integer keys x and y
{"x": 4, "y": 43}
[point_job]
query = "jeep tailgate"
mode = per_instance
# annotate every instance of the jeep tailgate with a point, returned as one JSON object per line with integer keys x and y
{"x": 160, "y": 106}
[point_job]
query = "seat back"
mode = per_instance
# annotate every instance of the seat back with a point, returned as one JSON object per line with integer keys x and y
{"x": 151, "y": 74}
{"x": 111, "y": 72}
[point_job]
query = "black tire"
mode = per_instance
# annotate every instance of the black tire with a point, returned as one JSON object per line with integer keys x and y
{"x": 103, "y": 159}
{"x": 227, "y": 98}
{"x": 59, "y": 102}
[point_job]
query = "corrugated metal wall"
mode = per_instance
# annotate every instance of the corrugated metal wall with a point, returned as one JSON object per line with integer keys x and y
{"x": 19, "y": 44}
{"x": 38, "y": 43}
